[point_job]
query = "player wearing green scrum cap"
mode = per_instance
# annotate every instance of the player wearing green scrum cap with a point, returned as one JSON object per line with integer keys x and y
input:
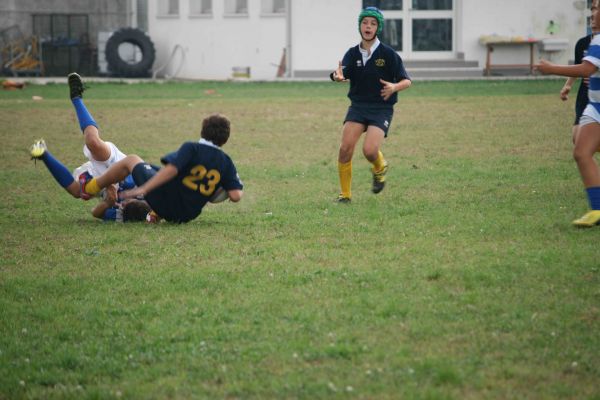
{"x": 374, "y": 13}
{"x": 376, "y": 74}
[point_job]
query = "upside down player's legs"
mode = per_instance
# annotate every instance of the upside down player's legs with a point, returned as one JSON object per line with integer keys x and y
{"x": 89, "y": 127}
{"x": 59, "y": 172}
{"x": 115, "y": 174}
{"x": 99, "y": 150}
{"x": 83, "y": 115}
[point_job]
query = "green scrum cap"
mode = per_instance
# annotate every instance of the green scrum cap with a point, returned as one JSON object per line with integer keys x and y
{"x": 372, "y": 12}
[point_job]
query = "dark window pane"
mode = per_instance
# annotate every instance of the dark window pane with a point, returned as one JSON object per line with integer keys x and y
{"x": 432, "y": 4}
{"x": 432, "y": 34}
{"x": 42, "y": 27}
{"x": 78, "y": 29}
{"x": 173, "y": 7}
{"x": 60, "y": 28}
{"x": 392, "y": 33}
{"x": 383, "y": 4}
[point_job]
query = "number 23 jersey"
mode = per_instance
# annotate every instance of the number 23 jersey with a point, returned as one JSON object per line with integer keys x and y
{"x": 202, "y": 169}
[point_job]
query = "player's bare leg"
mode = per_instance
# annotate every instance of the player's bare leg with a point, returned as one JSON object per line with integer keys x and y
{"x": 588, "y": 140}
{"x": 98, "y": 148}
{"x": 371, "y": 150}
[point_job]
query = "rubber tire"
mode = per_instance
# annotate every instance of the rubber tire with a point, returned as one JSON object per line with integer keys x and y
{"x": 119, "y": 67}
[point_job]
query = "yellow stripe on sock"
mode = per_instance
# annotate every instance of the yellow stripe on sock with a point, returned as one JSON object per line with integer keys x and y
{"x": 379, "y": 163}
{"x": 345, "y": 172}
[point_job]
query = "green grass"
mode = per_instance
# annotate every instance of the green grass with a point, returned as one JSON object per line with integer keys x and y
{"x": 463, "y": 279}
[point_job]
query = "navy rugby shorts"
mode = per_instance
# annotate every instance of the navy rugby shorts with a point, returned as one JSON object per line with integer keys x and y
{"x": 142, "y": 173}
{"x": 380, "y": 117}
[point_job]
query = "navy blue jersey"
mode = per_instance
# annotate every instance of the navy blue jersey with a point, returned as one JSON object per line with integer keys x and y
{"x": 202, "y": 169}
{"x": 582, "y": 94}
{"x": 365, "y": 87}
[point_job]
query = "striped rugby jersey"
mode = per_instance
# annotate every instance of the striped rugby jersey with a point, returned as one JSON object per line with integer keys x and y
{"x": 593, "y": 56}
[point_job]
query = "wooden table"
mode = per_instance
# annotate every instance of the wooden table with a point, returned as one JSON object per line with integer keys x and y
{"x": 490, "y": 49}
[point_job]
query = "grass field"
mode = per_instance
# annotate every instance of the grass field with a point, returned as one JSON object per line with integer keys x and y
{"x": 464, "y": 279}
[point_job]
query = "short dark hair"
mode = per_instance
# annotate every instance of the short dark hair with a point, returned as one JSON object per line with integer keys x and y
{"x": 135, "y": 211}
{"x": 216, "y": 128}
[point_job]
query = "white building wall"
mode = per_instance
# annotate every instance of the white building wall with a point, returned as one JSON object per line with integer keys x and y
{"x": 215, "y": 44}
{"x": 514, "y": 18}
{"x": 322, "y": 31}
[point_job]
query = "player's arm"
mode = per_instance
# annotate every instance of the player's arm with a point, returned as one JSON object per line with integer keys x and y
{"x": 566, "y": 89}
{"x": 583, "y": 70}
{"x": 100, "y": 209}
{"x": 389, "y": 88}
{"x": 164, "y": 175}
{"x": 109, "y": 201}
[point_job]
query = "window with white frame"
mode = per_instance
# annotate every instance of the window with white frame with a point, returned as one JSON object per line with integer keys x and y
{"x": 273, "y": 6}
{"x": 233, "y": 7}
{"x": 168, "y": 8}
{"x": 200, "y": 7}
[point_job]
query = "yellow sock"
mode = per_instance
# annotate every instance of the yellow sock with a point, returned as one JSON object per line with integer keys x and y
{"x": 92, "y": 187}
{"x": 345, "y": 171}
{"x": 379, "y": 163}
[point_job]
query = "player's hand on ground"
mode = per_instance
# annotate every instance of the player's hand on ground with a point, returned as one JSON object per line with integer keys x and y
{"x": 388, "y": 89}
{"x": 564, "y": 93}
{"x": 338, "y": 74}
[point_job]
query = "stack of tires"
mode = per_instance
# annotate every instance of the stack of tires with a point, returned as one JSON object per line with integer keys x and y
{"x": 119, "y": 67}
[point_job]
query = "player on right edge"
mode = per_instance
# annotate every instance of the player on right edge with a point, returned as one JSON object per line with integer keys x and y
{"x": 588, "y": 136}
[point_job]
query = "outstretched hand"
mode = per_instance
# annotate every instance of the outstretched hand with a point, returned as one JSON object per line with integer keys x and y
{"x": 543, "y": 67}
{"x": 338, "y": 74}
{"x": 387, "y": 90}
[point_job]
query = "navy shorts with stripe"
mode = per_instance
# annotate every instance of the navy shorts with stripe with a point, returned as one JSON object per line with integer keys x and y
{"x": 380, "y": 117}
{"x": 581, "y": 103}
{"x": 142, "y": 173}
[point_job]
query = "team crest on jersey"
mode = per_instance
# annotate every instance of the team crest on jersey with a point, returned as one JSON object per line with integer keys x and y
{"x": 358, "y": 63}
{"x": 380, "y": 62}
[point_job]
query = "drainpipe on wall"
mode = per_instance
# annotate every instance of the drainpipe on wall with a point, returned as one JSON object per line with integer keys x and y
{"x": 288, "y": 39}
{"x": 132, "y": 13}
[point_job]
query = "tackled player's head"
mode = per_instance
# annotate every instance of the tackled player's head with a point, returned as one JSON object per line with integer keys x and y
{"x": 216, "y": 128}
{"x": 135, "y": 211}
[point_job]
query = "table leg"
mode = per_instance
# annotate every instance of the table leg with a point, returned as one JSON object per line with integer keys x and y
{"x": 531, "y": 46}
{"x": 488, "y": 60}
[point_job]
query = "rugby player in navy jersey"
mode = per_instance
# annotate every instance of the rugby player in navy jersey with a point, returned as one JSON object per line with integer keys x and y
{"x": 100, "y": 155}
{"x": 588, "y": 136}
{"x": 191, "y": 176}
{"x": 376, "y": 74}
